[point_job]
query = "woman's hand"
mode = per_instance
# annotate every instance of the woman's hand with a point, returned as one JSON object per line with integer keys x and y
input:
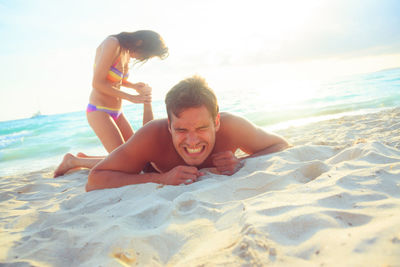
{"x": 142, "y": 88}
{"x": 140, "y": 99}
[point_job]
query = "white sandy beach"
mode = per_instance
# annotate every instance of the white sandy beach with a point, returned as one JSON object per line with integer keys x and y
{"x": 331, "y": 200}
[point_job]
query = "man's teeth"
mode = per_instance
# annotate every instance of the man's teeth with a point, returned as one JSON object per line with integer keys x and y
{"x": 193, "y": 150}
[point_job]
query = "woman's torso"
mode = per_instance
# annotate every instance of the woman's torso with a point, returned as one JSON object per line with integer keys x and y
{"x": 115, "y": 76}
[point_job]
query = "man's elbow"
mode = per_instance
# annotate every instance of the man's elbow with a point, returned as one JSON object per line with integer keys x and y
{"x": 93, "y": 181}
{"x": 284, "y": 144}
{"x": 280, "y": 145}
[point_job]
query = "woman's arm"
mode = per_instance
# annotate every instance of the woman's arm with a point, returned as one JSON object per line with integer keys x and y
{"x": 143, "y": 89}
{"x": 109, "y": 51}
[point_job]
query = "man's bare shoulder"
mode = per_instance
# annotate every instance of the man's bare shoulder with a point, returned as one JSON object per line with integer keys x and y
{"x": 154, "y": 128}
{"x": 235, "y": 128}
{"x": 229, "y": 120}
{"x": 230, "y": 116}
{"x": 157, "y": 123}
{"x": 150, "y": 139}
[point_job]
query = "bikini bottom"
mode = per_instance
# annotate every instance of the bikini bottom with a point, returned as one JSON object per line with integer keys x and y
{"x": 114, "y": 113}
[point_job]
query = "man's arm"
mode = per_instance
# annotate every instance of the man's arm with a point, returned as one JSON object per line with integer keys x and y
{"x": 254, "y": 140}
{"x": 124, "y": 165}
{"x": 272, "y": 142}
{"x": 103, "y": 178}
{"x": 250, "y": 139}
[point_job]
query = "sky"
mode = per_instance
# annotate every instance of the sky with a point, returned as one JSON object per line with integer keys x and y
{"x": 47, "y": 47}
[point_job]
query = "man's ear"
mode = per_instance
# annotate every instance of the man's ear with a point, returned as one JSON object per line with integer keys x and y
{"x": 217, "y": 122}
{"x": 169, "y": 126}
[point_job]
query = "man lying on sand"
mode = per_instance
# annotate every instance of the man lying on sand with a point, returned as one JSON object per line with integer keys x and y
{"x": 194, "y": 136}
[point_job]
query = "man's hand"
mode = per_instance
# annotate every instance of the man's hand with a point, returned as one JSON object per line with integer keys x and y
{"x": 181, "y": 175}
{"x": 226, "y": 162}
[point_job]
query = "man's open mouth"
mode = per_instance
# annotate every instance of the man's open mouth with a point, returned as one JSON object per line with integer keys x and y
{"x": 196, "y": 150}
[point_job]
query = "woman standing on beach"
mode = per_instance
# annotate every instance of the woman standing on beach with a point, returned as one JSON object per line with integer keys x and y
{"x": 111, "y": 66}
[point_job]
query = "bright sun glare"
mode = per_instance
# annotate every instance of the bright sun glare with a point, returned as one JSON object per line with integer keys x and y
{"x": 285, "y": 44}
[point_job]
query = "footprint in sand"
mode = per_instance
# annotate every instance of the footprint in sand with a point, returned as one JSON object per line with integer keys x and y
{"x": 347, "y": 154}
{"x": 185, "y": 203}
{"x": 312, "y": 170}
{"x": 149, "y": 218}
{"x": 4, "y": 196}
{"x": 298, "y": 229}
{"x": 349, "y": 219}
{"x": 346, "y": 200}
{"x": 277, "y": 210}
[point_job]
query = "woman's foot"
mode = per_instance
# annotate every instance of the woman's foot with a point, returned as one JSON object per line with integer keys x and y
{"x": 65, "y": 165}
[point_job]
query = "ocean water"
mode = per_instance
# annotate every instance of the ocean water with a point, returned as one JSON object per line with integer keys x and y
{"x": 39, "y": 143}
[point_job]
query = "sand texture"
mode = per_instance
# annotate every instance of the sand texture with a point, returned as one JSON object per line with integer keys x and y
{"x": 333, "y": 199}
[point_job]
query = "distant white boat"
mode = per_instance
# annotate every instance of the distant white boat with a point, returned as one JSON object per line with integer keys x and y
{"x": 36, "y": 114}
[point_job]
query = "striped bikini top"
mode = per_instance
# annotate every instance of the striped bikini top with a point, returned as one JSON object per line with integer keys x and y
{"x": 115, "y": 75}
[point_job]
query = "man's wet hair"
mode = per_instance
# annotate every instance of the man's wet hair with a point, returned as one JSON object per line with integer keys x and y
{"x": 192, "y": 92}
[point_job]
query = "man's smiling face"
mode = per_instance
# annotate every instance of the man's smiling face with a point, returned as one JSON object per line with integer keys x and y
{"x": 193, "y": 134}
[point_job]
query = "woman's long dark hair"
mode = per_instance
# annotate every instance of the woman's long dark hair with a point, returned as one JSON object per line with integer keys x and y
{"x": 151, "y": 45}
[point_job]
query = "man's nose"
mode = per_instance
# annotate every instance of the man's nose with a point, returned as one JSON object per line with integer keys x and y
{"x": 192, "y": 138}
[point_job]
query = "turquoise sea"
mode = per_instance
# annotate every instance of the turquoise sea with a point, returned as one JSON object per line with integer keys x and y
{"x": 38, "y": 143}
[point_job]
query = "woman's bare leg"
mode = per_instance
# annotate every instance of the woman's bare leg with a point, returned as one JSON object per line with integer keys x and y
{"x": 125, "y": 127}
{"x": 106, "y": 129}
{"x": 147, "y": 113}
{"x": 111, "y": 133}
{"x": 71, "y": 162}
{"x": 83, "y": 155}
